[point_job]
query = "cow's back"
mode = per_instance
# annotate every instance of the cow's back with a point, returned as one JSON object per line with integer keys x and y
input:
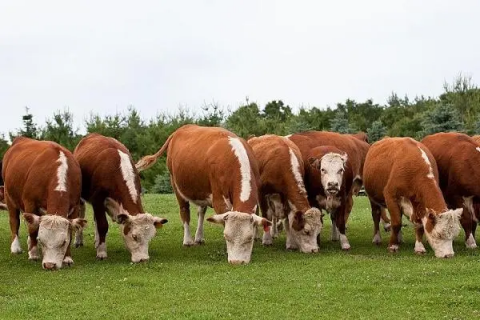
{"x": 100, "y": 159}
{"x": 202, "y": 158}
{"x": 32, "y": 169}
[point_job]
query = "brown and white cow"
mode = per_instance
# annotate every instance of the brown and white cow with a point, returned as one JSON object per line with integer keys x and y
{"x": 214, "y": 167}
{"x": 328, "y": 179}
{"x": 401, "y": 174}
{"x": 43, "y": 180}
{"x": 282, "y": 193}
{"x": 458, "y": 159}
{"x": 111, "y": 184}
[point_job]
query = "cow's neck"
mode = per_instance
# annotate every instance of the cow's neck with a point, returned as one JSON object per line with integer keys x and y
{"x": 431, "y": 197}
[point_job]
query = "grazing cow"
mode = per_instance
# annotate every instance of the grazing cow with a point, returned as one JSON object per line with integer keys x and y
{"x": 214, "y": 167}
{"x": 458, "y": 157}
{"x": 401, "y": 174}
{"x": 111, "y": 183}
{"x": 43, "y": 180}
{"x": 328, "y": 179}
{"x": 282, "y": 193}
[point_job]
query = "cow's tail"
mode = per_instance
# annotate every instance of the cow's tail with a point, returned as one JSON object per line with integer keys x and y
{"x": 148, "y": 161}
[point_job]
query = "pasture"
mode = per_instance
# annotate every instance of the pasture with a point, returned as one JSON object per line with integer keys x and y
{"x": 198, "y": 283}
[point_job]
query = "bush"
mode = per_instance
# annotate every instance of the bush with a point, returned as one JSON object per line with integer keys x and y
{"x": 162, "y": 183}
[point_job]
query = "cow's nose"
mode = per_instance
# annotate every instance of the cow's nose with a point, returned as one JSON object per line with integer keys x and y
{"x": 332, "y": 184}
{"x": 49, "y": 265}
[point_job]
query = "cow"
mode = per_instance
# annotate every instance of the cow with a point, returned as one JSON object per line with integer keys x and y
{"x": 111, "y": 184}
{"x": 43, "y": 180}
{"x": 213, "y": 167}
{"x": 401, "y": 174}
{"x": 362, "y": 136}
{"x": 457, "y": 156}
{"x": 282, "y": 193}
{"x": 328, "y": 179}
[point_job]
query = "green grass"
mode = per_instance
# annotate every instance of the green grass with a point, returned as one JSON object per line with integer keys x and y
{"x": 198, "y": 283}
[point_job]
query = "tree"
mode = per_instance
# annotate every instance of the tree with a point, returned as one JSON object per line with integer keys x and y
{"x": 60, "y": 129}
{"x": 340, "y": 123}
{"x": 246, "y": 120}
{"x": 376, "y": 132}
{"x": 29, "y": 127}
{"x": 443, "y": 118}
{"x": 3, "y": 146}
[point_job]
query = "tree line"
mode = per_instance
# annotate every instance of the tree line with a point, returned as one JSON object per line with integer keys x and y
{"x": 456, "y": 109}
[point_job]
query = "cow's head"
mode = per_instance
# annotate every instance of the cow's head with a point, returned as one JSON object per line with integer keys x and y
{"x": 239, "y": 233}
{"x": 137, "y": 230}
{"x": 304, "y": 229}
{"x": 54, "y": 235}
{"x": 441, "y": 229}
{"x": 331, "y": 167}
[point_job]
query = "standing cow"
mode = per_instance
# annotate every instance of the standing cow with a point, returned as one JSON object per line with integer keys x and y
{"x": 458, "y": 159}
{"x": 111, "y": 183}
{"x": 214, "y": 167}
{"x": 328, "y": 179}
{"x": 43, "y": 180}
{"x": 282, "y": 192}
{"x": 401, "y": 174}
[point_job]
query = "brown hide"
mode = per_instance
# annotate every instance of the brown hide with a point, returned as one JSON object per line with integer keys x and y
{"x": 102, "y": 177}
{"x": 30, "y": 174}
{"x": 458, "y": 159}
{"x": 276, "y": 176}
{"x": 362, "y": 136}
{"x": 395, "y": 169}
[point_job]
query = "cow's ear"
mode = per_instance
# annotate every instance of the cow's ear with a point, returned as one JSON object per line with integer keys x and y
{"x": 298, "y": 221}
{"x": 78, "y": 223}
{"x": 218, "y": 218}
{"x": 159, "y": 222}
{"x": 32, "y": 220}
{"x": 114, "y": 209}
{"x": 314, "y": 163}
{"x": 123, "y": 218}
{"x": 261, "y": 221}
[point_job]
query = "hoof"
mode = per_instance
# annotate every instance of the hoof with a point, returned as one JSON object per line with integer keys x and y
{"x": 393, "y": 248}
{"x": 68, "y": 261}
{"x": 101, "y": 256}
{"x": 199, "y": 242}
{"x": 78, "y": 245}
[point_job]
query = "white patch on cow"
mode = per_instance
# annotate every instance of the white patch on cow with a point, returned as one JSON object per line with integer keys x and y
{"x": 377, "y": 239}
{"x": 15, "y": 247}
{"x": 288, "y": 136}
{"x": 471, "y": 243}
{"x": 332, "y": 168}
{"x": 407, "y": 207}
{"x": 446, "y": 228}
{"x": 228, "y": 203}
{"x": 187, "y": 237}
{"x": 54, "y": 238}
{"x": 344, "y": 242}
{"x": 478, "y": 149}
{"x": 429, "y": 164}
{"x": 304, "y": 239}
{"x": 128, "y": 175}
{"x": 295, "y": 165}
{"x": 468, "y": 203}
{"x": 62, "y": 173}
{"x": 241, "y": 153}
{"x": 335, "y": 233}
{"x": 419, "y": 247}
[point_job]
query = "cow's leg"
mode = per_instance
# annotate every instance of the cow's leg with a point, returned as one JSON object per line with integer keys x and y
{"x": 376, "y": 214}
{"x": 385, "y": 219}
{"x": 199, "y": 237}
{"x": 101, "y": 229}
{"x": 79, "y": 233}
{"x": 468, "y": 221}
{"x": 349, "y": 206}
{"x": 419, "y": 247}
{"x": 266, "y": 210}
{"x": 185, "y": 216}
{"x": 396, "y": 221}
{"x": 340, "y": 226}
{"x": 290, "y": 244}
{"x": 67, "y": 259}
{"x": 14, "y": 217}
{"x": 32, "y": 241}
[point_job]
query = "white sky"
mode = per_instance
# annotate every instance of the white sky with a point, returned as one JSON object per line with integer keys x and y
{"x": 102, "y": 56}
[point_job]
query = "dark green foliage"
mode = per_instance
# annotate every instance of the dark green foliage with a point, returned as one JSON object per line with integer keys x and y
{"x": 162, "y": 183}
{"x": 60, "y": 129}
{"x": 376, "y": 132}
{"x": 443, "y": 118}
{"x": 29, "y": 127}
{"x": 340, "y": 123}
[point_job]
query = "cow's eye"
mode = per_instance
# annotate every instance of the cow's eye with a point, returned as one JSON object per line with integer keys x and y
{"x": 341, "y": 171}
{"x": 135, "y": 237}
{"x": 324, "y": 171}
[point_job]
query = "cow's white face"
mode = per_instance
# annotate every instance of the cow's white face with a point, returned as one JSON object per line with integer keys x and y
{"x": 445, "y": 228}
{"x": 304, "y": 229}
{"x": 332, "y": 167}
{"x": 239, "y": 233}
{"x": 137, "y": 230}
{"x": 54, "y": 234}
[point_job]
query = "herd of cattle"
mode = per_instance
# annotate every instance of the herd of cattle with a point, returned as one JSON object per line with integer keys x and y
{"x": 291, "y": 180}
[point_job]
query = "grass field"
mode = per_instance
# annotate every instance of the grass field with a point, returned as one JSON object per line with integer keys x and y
{"x": 198, "y": 283}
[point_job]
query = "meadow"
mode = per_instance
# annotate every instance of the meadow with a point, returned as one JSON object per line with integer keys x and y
{"x": 197, "y": 282}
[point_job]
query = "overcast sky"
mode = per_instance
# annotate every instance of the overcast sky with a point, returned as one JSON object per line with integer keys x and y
{"x": 102, "y": 56}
